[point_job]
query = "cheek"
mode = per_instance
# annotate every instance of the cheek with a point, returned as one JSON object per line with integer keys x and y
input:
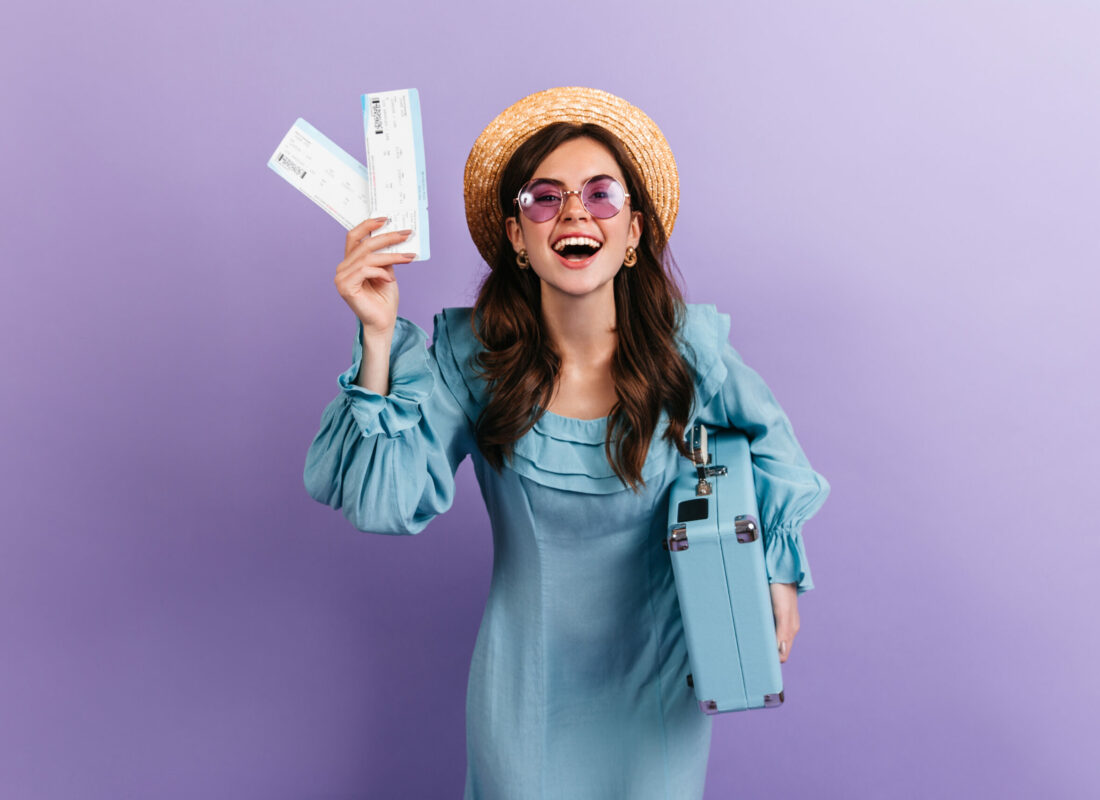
{"x": 537, "y": 231}
{"x": 618, "y": 234}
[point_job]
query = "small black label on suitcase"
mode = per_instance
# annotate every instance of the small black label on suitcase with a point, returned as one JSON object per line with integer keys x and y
{"x": 691, "y": 510}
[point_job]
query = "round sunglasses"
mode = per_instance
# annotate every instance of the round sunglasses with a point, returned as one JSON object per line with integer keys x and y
{"x": 542, "y": 199}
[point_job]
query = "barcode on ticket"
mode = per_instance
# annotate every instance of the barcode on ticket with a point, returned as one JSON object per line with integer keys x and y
{"x": 288, "y": 163}
{"x": 376, "y": 115}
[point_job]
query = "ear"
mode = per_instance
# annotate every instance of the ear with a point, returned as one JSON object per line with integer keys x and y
{"x": 515, "y": 233}
{"x": 634, "y": 235}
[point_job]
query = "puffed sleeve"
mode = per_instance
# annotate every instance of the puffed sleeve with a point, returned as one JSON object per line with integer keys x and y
{"x": 389, "y": 461}
{"x": 788, "y": 490}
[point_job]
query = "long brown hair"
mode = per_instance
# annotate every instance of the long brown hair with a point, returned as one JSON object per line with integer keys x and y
{"x": 519, "y": 362}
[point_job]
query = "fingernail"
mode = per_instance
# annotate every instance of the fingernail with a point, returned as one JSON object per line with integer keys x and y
{"x": 407, "y": 230}
{"x": 782, "y": 648}
{"x": 381, "y": 219}
{"x": 409, "y": 255}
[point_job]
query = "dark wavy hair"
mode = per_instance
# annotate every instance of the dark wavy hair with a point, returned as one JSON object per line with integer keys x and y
{"x": 519, "y": 362}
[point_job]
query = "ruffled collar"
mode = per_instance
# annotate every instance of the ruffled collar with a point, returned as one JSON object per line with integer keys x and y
{"x": 564, "y": 452}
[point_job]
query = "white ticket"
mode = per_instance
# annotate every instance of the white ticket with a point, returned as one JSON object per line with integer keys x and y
{"x": 395, "y": 166}
{"x": 324, "y": 173}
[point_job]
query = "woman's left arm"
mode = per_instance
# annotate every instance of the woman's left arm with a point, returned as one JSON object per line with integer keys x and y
{"x": 788, "y": 490}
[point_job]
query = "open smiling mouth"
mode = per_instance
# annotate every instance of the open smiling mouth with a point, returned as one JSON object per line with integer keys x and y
{"x": 577, "y": 249}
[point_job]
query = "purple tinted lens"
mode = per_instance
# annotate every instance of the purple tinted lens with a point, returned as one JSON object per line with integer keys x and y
{"x": 603, "y": 197}
{"x": 540, "y": 200}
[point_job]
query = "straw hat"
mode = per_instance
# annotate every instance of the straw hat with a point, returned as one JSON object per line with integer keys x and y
{"x": 643, "y": 140}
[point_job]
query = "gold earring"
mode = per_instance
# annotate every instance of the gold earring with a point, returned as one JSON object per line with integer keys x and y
{"x": 522, "y": 260}
{"x": 631, "y": 257}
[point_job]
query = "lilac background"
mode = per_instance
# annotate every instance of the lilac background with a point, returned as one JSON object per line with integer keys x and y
{"x": 896, "y": 201}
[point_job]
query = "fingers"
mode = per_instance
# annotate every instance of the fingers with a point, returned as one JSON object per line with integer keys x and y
{"x": 371, "y": 265}
{"x": 784, "y": 640}
{"x": 375, "y": 243}
{"x": 350, "y": 281}
{"x": 361, "y": 238}
{"x": 785, "y": 611}
{"x": 785, "y": 631}
{"x": 369, "y": 258}
{"x": 363, "y": 229}
{"x": 367, "y": 253}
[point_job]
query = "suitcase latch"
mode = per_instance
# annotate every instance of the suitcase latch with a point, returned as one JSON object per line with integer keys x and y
{"x": 704, "y": 487}
{"x": 746, "y": 527}
{"x": 677, "y": 540}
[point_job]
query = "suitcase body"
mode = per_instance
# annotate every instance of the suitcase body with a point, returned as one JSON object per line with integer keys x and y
{"x": 717, "y": 549}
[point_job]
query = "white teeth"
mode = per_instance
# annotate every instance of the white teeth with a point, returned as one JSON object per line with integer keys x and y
{"x": 579, "y": 240}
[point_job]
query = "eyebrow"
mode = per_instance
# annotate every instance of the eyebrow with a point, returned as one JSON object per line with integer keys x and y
{"x": 586, "y": 180}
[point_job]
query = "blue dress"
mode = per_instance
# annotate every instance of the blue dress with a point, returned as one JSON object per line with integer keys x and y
{"x": 577, "y": 686}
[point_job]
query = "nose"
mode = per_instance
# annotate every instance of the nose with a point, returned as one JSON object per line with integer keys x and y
{"x": 572, "y": 207}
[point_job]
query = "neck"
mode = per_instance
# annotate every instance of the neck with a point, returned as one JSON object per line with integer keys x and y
{"x": 581, "y": 328}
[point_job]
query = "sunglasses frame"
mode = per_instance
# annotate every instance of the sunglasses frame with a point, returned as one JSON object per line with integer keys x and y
{"x": 565, "y": 194}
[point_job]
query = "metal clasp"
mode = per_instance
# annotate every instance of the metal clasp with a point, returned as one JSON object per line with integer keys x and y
{"x": 701, "y": 456}
{"x": 677, "y": 540}
{"x": 746, "y": 527}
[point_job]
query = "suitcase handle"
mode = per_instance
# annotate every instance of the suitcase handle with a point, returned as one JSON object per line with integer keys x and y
{"x": 700, "y": 455}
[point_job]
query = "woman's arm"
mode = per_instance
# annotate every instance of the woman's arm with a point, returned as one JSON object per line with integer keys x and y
{"x": 390, "y": 442}
{"x": 788, "y": 489}
{"x": 388, "y": 461}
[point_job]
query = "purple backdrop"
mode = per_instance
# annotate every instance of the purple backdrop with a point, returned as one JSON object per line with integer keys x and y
{"x": 896, "y": 202}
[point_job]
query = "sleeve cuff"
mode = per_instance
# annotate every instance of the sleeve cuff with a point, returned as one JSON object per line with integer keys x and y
{"x": 411, "y": 383}
{"x": 785, "y": 558}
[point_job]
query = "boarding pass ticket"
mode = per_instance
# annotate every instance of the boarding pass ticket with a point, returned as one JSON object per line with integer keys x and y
{"x": 395, "y": 164}
{"x": 321, "y": 170}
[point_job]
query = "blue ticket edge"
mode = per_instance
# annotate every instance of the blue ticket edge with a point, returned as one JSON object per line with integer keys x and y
{"x": 421, "y": 169}
{"x": 421, "y": 175}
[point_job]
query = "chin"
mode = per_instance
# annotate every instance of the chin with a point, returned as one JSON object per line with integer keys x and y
{"x": 577, "y": 282}
{"x": 580, "y": 284}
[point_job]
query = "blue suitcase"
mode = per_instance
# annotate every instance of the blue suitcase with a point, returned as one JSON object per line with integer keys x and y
{"x": 717, "y": 551}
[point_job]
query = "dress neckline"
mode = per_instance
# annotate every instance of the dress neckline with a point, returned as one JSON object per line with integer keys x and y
{"x": 572, "y": 429}
{"x": 550, "y": 413}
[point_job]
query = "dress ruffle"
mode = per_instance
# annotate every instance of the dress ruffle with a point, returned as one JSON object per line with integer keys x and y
{"x": 564, "y": 452}
{"x": 785, "y": 558}
{"x": 411, "y": 382}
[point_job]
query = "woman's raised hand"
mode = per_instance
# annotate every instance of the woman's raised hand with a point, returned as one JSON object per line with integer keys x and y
{"x": 365, "y": 277}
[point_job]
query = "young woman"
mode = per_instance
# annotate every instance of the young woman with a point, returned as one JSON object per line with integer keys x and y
{"x": 570, "y": 383}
